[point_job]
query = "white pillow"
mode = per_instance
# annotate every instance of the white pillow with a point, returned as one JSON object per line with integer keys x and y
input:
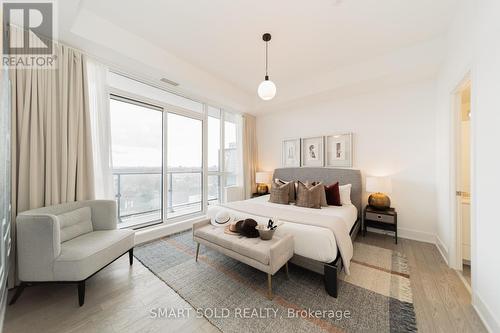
{"x": 345, "y": 194}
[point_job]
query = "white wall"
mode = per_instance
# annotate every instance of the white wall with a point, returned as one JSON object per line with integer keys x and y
{"x": 394, "y": 134}
{"x": 474, "y": 45}
{"x": 456, "y": 66}
{"x": 487, "y": 162}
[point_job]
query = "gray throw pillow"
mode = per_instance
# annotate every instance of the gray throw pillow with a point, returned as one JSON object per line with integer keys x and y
{"x": 309, "y": 196}
{"x": 291, "y": 188}
{"x": 279, "y": 193}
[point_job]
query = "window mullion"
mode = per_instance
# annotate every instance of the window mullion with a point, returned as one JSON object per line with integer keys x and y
{"x": 204, "y": 189}
{"x": 222, "y": 157}
{"x": 165, "y": 179}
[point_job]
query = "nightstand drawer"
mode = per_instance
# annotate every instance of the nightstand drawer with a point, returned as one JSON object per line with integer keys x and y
{"x": 380, "y": 217}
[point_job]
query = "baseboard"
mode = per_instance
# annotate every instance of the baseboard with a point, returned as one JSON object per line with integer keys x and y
{"x": 464, "y": 281}
{"x": 443, "y": 250}
{"x": 420, "y": 236}
{"x": 486, "y": 315}
{"x": 159, "y": 231}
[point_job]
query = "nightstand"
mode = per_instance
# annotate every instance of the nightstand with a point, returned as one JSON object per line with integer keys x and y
{"x": 381, "y": 219}
{"x": 255, "y": 195}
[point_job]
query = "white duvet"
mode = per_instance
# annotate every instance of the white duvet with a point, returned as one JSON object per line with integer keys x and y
{"x": 310, "y": 241}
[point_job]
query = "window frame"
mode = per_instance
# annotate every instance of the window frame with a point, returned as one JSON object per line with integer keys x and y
{"x": 132, "y": 99}
{"x": 203, "y": 117}
{"x": 221, "y": 172}
{"x": 166, "y": 108}
{"x": 197, "y": 116}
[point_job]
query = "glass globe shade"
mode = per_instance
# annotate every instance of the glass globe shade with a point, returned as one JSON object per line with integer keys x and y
{"x": 266, "y": 90}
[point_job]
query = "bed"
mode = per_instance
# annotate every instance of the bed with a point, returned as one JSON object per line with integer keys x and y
{"x": 315, "y": 246}
{"x": 312, "y": 242}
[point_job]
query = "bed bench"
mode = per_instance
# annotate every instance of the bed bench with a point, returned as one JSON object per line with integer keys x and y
{"x": 267, "y": 256}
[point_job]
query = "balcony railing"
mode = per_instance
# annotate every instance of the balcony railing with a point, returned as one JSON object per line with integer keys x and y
{"x": 139, "y": 194}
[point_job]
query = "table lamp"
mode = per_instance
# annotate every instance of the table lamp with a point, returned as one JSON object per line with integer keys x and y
{"x": 379, "y": 187}
{"x": 262, "y": 179}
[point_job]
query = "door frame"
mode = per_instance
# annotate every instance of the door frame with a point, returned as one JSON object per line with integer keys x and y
{"x": 456, "y": 255}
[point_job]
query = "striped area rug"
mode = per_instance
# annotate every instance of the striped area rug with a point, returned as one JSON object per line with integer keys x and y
{"x": 375, "y": 297}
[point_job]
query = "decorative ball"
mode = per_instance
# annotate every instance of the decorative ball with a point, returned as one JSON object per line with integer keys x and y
{"x": 379, "y": 201}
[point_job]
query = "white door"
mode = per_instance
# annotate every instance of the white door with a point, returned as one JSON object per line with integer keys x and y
{"x": 463, "y": 191}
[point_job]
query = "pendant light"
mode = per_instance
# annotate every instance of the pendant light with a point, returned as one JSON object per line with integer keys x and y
{"x": 267, "y": 88}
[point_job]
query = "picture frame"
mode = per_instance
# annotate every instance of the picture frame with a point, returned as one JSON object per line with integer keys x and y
{"x": 312, "y": 151}
{"x": 338, "y": 150}
{"x": 290, "y": 153}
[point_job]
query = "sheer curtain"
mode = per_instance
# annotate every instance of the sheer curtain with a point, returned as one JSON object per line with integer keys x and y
{"x": 249, "y": 154}
{"x": 100, "y": 129}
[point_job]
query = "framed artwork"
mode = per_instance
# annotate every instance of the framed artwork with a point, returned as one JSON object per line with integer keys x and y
{"x": 339, "y": 150}
{"x": 312, "y": 152}
{"x": 290, "y": 153}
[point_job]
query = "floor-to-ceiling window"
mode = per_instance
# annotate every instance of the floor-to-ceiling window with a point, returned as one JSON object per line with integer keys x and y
{"x": 137, "y": 157}
{"x": 185, "y": 165}
{"x": 171, "y": 155}
{"x": 215, "y": 179}
{"x": 232, "y": 149}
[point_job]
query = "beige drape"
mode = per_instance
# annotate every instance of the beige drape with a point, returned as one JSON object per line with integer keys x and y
{"x": 250, "y": 162}
{"x": 51, "y": 139}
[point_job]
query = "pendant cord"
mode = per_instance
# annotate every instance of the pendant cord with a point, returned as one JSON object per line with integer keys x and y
{"x": 266, "y": 59}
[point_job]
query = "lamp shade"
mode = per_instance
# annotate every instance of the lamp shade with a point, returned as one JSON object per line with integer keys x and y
{"x": 378, "y": 184}
{"x": 263, "y": 177}
{"x": 266, "y": 90}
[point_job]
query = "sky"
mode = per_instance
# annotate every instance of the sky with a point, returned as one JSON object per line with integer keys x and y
{"x": 136, "y": 134}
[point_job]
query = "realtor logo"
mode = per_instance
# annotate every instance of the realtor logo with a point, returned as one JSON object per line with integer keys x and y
{"x": 35, "y": 22}
{"x": 29, "y": 34}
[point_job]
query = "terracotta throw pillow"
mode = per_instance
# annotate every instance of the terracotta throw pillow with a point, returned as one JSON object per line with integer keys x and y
{"x": 279, "y": 193}
{"x": 333, "y": 194}
{"x": 308, "y": 195}
{"x": 291, "y": 188}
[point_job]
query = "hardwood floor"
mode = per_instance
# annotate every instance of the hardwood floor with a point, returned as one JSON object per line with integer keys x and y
{"x": 120, "y": 298}
{"x": 442, "y": 302}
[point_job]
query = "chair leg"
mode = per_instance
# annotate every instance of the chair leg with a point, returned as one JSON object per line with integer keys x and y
{"x": 19, "y": 291}
{"x": 286, "y": 270}
{"x": 81, "y": 292}
{"x": 197, "y": 251}
{"x": 131, "y": 256}
{"x": 269, "y": 287}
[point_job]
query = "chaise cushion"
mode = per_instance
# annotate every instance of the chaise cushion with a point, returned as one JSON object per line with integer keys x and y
{"x": 249, "y": 247}
{"x": 84, "y": 255}
{"x": 75, "y": 223}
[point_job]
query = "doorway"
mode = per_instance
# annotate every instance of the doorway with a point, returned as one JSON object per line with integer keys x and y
{"x": 463, "y": 181}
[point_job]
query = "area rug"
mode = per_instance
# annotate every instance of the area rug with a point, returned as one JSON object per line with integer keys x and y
{"x": 375, "y": 297}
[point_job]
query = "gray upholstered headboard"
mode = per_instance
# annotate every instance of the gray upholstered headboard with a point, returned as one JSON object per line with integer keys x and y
{"x": 327, "y": 176}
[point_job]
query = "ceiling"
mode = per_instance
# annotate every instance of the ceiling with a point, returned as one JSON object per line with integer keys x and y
{"x": 310, "y": 38}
